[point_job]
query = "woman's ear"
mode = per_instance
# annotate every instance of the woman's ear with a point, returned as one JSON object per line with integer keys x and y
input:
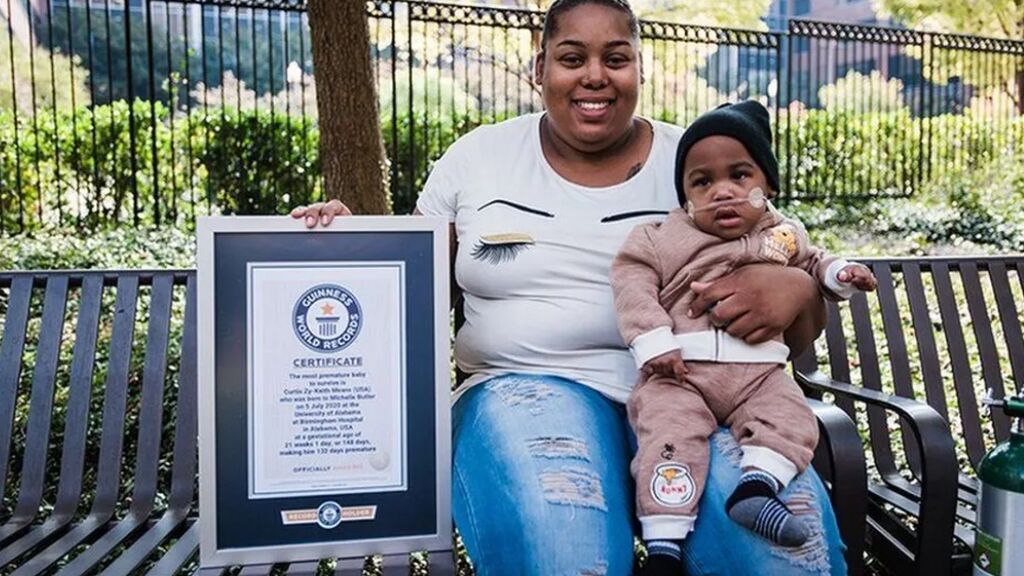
{"x": 538, "y": 68}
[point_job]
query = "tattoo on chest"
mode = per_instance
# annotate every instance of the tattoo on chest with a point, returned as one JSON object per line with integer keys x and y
{"x": 634, "y": 170}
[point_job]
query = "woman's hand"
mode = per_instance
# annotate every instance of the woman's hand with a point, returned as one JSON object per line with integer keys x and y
{"x": 321, "y": 212}
{"x": 759, "y": 302}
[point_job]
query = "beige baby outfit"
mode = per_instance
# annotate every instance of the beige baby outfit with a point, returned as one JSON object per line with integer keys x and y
{"x": 729, "y": 382}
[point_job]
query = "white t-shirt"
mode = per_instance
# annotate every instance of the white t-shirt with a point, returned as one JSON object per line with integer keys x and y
{"x": 535, "y": 252}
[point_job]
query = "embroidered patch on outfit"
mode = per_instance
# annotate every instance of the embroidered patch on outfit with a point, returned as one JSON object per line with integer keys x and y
{"x": 672, "y": 485}
{"x": 780, "y": 244}
{"x": 499, "y": 248}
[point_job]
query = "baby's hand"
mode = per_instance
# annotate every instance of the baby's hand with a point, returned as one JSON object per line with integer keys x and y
{"x": 668, "y": 364}
{"x": 860, "y": 276}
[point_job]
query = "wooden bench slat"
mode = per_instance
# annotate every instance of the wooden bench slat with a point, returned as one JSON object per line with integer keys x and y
{"x": 11, "y": 351}
{"x": 989, "y": 355}
{"x": 924, "y": 334}
{"x": 1010, "y": 320}
{"x": 962, "y": 379}
{"x": 870, "y": 371}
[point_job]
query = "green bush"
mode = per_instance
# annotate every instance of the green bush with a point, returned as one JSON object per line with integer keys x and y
{"x": 77, "y": 169}
{"x": 832, "y": 155}
{"x": 255, "y": 162}
{"x": 91, "y": 170}
{"x": 108, "y": 249}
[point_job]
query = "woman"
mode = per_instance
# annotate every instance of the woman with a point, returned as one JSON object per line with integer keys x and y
{"x": 539, "y": 206}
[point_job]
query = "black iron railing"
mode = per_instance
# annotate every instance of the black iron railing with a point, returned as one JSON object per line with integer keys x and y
{"x": 223, "y": 110}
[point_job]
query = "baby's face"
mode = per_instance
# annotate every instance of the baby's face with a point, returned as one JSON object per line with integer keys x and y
{"x": 718, "y": 169}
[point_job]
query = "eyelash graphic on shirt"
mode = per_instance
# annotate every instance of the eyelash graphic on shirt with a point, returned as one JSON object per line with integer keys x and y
{"x": 526, "y": 209}
{"x": 500, "y": 248}
{"x": 636, "y": 214}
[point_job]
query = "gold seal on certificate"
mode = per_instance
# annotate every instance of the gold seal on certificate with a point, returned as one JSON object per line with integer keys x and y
{"x": 326, "y": 377}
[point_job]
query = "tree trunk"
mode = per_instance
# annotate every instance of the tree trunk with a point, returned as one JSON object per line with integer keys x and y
{"x": 1020, "y": 71}
{"x": 351, "y": 150}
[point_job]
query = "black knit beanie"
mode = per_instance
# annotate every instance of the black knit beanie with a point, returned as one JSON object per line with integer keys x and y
{"x": 747, "y": 122}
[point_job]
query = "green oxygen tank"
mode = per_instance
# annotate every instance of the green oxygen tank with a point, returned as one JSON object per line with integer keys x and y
{"x": 999, "y": 536}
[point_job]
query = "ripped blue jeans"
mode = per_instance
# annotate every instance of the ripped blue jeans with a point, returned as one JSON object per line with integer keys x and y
{"x": 541, "y": 486}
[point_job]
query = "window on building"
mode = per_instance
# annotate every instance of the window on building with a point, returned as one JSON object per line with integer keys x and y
{"x": 801, "y": 7}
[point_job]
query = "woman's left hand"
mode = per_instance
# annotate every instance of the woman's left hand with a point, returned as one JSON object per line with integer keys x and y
{"x": 756, "y": 302}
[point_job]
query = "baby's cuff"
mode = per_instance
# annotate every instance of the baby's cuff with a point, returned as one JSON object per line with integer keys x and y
{"x": 841, "y": 289}
{"x": 651, "y": 344}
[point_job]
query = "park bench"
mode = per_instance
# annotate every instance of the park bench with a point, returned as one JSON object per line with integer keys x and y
{"x": 925, "y": 348}
{"x": 100, "y": 365}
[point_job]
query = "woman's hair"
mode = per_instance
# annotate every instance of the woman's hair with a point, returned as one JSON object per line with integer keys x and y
{"x": 558, "y": 7}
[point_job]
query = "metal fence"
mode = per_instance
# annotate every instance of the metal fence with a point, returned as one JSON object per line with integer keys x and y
{"x": 223, "y": 110}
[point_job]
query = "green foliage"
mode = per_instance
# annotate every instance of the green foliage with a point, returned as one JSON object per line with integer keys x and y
{"x": 837, "y": 154}
{"x": 109, "y": 249}
{"x": 95, "y": 168}
{"x": 255, "y": 162}
{"x": 963, "y": 211}
{"x": 75, "y": 170}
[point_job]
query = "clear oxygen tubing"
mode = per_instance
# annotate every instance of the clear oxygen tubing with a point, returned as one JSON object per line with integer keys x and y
{"x": 755, "y": 198}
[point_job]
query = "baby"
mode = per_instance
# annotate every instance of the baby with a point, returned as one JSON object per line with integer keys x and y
{"x": 694, "y": 375}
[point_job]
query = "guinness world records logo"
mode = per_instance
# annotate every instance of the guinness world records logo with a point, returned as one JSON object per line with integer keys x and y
{"x": 328, "y": 515}
{"x": 327, "y": 318}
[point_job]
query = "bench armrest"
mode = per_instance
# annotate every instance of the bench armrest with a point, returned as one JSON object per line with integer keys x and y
{"x": 839, "y": 459}
{"x": 939, "y": 470}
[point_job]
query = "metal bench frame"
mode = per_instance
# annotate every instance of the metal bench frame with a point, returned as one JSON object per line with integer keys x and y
{"x": 34, "y": 540}
{"x": 931, "y": 487}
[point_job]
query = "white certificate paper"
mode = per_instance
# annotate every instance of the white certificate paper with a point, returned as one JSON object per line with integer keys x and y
{"x": 326, "y": 378}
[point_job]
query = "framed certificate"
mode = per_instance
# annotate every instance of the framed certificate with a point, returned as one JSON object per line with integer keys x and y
{"x": 324, "y": 384}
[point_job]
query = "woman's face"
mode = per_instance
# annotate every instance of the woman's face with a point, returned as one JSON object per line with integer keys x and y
{"x": 589, "y": 73}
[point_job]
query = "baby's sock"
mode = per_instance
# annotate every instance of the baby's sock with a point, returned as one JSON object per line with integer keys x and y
{"x": 755, "y": 505}
{"x": 664, "y": 558}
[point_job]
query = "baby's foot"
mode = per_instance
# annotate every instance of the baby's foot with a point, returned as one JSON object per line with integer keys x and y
{"x": 664, "y": 558}
{"x": 755, "y": 505}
